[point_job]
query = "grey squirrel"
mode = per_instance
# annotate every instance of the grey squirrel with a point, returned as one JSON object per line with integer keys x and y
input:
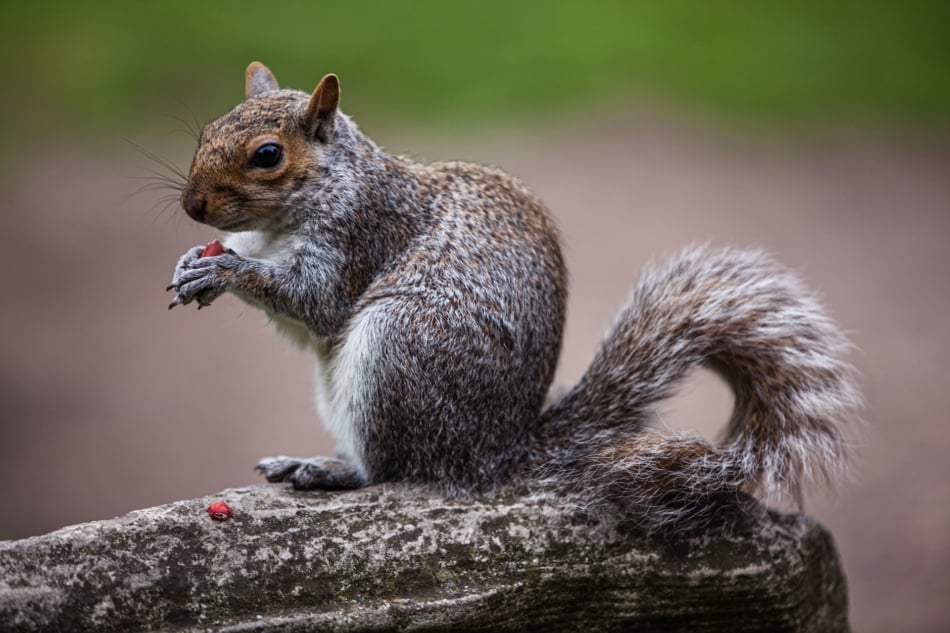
{"x": 433, "y": 297}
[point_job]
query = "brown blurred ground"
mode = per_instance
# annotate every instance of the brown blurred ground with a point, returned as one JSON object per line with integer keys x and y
{"x": 109, "y": 402}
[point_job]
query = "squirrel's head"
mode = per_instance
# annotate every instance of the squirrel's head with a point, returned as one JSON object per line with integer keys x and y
{"x": 251, "y": 161}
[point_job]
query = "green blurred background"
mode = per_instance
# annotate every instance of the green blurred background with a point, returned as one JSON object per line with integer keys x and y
{"x": 113, "y": 67}
{"x": 819, "y": 130}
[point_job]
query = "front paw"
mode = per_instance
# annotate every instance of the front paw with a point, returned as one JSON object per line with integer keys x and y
{"x": 202, "y": 279}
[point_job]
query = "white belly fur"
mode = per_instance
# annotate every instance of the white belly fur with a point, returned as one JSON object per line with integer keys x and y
{"x": 344, "y": 383}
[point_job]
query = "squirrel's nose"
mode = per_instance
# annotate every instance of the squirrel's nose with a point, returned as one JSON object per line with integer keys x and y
{"x": 194, "y": 204}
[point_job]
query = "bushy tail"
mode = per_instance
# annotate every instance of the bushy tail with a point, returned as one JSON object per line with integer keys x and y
{"x": 743, "y": 316}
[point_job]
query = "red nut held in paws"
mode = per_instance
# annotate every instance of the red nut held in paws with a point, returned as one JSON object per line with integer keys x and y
{"x": 219, "y": 511}
{"x": 212, "y": 248}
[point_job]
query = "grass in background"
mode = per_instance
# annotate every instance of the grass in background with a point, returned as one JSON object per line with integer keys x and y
{"x": 106, "y": 66}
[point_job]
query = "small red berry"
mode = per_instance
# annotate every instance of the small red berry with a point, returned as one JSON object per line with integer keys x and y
{"x": 219, "y": 511}
{"x": 212, "y": 248}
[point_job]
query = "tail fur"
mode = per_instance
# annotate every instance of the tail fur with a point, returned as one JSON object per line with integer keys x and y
{"x": 753, "y": 322}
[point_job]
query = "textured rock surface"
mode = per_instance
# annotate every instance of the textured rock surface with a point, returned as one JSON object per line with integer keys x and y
{"x": 394, "y": 558}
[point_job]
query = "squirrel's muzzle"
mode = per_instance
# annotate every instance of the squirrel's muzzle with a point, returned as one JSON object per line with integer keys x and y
{"x": 194, "y": 204}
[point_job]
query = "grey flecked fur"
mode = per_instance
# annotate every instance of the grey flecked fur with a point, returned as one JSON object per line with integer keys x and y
{"x": 433, "y": 297}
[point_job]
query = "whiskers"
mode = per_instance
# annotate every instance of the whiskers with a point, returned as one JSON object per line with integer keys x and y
{"x": 191, "y": 128}
{"x": 163, "y": 177}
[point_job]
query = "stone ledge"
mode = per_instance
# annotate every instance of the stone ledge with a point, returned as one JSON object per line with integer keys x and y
{"x": 396, "y": 557}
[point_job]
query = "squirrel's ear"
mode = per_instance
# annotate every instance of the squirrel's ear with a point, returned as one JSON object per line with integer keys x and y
{"x": 257, "y": 79}
{"x": 322, "y": 108}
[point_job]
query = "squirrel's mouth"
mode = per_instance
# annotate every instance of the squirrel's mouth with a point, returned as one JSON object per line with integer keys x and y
{"x": 234, "y": 225}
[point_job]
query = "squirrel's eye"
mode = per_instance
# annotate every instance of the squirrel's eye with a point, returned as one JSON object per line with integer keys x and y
{"x": 267, "y": 155}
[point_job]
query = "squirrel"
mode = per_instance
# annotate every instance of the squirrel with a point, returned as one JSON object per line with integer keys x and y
{"x": 433, "y": 297}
